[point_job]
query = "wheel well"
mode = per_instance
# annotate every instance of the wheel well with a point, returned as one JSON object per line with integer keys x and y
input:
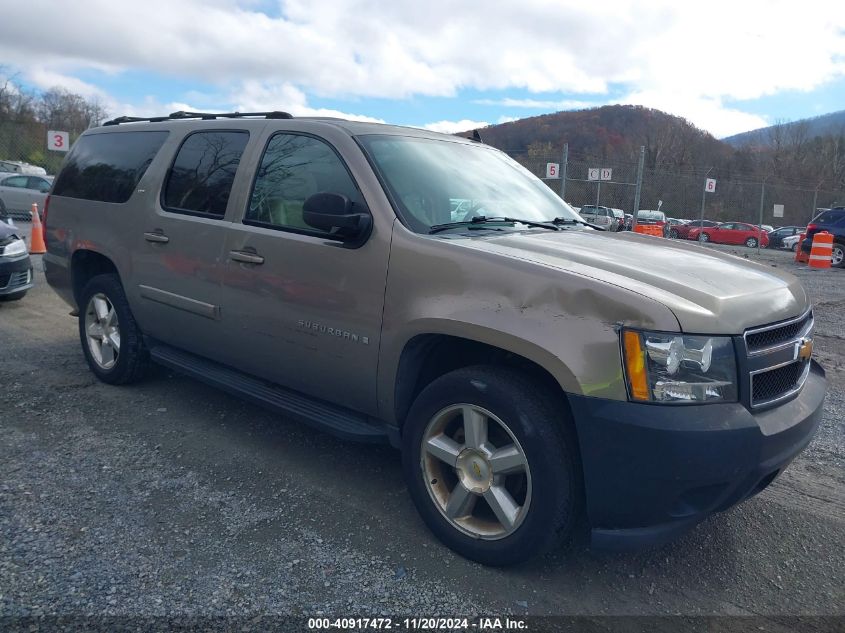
{"x": 428, "y": 356}
{"x": 86, "y": 264}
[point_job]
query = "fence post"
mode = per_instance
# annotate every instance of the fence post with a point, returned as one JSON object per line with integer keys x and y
{"x": 563, "y": 161}
{"x": 639, "y": 188}
{"x": 703, "y": 196}
{"x": 760, "y": 221}
{"x": 815, "y": 200}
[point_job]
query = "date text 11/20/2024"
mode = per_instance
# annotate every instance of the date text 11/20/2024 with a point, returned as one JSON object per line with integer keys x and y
{"x": 418, "y": 624}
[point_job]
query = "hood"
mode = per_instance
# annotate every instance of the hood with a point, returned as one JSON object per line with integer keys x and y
{"x": 7, "y": 230}
{"x": 709, "y": 292}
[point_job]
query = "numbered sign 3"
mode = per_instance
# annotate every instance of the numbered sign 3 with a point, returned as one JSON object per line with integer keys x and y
{"x": 58, "y": 141}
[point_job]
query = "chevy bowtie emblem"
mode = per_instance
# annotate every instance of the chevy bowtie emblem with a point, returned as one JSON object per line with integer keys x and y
{"x": 804, "y": 349}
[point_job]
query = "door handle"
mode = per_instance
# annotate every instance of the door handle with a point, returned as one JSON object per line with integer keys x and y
{"x": 159, "y": 238}
{"x": 247, "y": 258}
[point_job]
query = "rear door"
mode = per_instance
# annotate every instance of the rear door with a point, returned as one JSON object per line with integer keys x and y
{"x": 177, "y": 250}
{"x": 305, "y": 310}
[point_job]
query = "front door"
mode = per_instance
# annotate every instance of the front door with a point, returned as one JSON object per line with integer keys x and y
{"x": 305, "y": 310}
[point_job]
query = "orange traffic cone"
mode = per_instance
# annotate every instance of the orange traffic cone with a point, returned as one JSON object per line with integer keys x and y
{"x": 36, "y": 241}
{"x": 821, "y": 250}
{"x": 800, "y": 256}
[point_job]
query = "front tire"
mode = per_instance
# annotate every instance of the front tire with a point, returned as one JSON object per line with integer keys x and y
{"x": 110, "y": 337}
{"x": 492, "y": 466}
{"x": 673, "y": 234}
{"x": 703, "y": 237}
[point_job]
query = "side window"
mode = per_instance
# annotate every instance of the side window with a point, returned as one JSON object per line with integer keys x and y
{"x": 40, "y": 184}
{"x": 200, "y": 180}
{"x": 16, "y": 181}
{"x": 107, "y": 167}
{"x": 293, "y": 168}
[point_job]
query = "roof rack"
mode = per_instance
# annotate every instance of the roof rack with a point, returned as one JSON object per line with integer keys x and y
{"x": 205, "y": 116}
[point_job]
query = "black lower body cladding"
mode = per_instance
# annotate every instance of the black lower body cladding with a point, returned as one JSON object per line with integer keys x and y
{"x": 15, "y": 276}
{"x": 653, "y": 471}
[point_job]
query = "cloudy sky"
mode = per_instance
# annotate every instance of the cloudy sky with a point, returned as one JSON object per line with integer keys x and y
{"x": 448, "y": 65}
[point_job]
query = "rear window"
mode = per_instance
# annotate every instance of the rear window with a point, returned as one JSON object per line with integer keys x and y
{"x": 831, "y": 216}
{"x": 107, "y": 167}
{"x": 203, "y": 172}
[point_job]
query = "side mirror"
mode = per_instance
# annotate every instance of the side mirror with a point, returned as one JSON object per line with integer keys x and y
{"x": 335, "y": 214}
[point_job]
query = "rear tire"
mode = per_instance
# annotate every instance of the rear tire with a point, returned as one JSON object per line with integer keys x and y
{"x": 703, "y": 237}
{"x": 489, "y": 512}
{"x": 673, "y": 234}
{"x": 751, "y": 242}
{"x": 110, "y": 337}
{"x": 837, "y": 257}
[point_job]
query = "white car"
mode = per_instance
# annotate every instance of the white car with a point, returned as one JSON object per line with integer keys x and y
{"x": 18, "y": 192}
{"x": 791, "y": 242}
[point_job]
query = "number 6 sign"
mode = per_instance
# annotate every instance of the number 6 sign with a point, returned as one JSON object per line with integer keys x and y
{"x": 58, "y": 141}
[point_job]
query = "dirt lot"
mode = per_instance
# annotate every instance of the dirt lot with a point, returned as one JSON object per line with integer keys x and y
{"x": 172, "y": 498}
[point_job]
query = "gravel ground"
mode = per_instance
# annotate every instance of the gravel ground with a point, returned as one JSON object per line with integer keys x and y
{"x": 170, "y": 498}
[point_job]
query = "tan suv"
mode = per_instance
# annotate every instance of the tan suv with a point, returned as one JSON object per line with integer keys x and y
{"x": 392, "y": 284}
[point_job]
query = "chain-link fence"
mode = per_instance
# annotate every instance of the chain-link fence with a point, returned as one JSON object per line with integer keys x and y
{"x": 679, "y": 193}
{"x": 27, "y": 142}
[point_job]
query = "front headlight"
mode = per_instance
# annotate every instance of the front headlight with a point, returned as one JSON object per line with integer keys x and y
{"x": 12, "y": 247}
{"x": 679, "y": 369}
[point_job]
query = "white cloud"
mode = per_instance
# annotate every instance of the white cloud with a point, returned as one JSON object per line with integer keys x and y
{"x": 538, "y": 104}
{"x": 450, "y": 127}
{"x": 671, "y": 54}
{"x": 256, "y": 96}
{"x": 707, "y": 113}
{"x": 507, "y": 119}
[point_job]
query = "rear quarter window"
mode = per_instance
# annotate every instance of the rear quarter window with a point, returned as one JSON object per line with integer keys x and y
{"x": 833, "y": 216}
{"x": 107, "y": 167}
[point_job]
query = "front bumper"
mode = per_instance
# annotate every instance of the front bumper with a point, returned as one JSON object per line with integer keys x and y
{"x": 652, "y": 472}
{"x": 16, "y": 275}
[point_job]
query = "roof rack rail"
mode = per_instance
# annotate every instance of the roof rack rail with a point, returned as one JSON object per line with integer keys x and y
{"x": 205, "y": 116}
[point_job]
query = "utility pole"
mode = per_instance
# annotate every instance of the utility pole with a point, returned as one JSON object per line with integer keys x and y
{"x": 563, "y": 162}
{"x": 760, "y": 222}
{"x": 639, "y": 188}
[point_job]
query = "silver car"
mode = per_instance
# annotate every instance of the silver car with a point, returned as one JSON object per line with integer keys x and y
{"x": 18, "y": 192}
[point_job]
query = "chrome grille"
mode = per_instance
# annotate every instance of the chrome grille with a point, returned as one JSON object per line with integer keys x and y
{"x": 761, "y": 339}
{"x": 775, "y": 382}
{"x": 777, "y": 370}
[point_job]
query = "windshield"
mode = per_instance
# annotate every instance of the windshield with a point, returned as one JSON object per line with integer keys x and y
{"x": 434, "y": 182}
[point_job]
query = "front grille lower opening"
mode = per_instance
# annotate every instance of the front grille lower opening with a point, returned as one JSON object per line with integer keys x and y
{"x": 774, "y": 383}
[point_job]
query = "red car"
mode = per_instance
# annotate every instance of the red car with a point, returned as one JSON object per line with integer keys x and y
{"x": 681, "y": 231}
{"x": 731, "y": 233}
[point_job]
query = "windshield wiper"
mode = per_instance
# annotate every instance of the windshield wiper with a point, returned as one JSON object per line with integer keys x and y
{"x": 483, "y": 219}
{"x": 561, "y": 221}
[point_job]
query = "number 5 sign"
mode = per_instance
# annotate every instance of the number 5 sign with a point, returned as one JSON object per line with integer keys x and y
{"x": 58, "y": 141}
{"x": 552, "y": 170}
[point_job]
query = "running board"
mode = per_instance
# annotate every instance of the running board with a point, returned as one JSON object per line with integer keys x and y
{"x": 333, "y": 419}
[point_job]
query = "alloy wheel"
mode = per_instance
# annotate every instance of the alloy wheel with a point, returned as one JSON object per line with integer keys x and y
{"x": 102, "y": 331}
{"x": 476, "y": 471}
{"x": 838, "y": 255}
